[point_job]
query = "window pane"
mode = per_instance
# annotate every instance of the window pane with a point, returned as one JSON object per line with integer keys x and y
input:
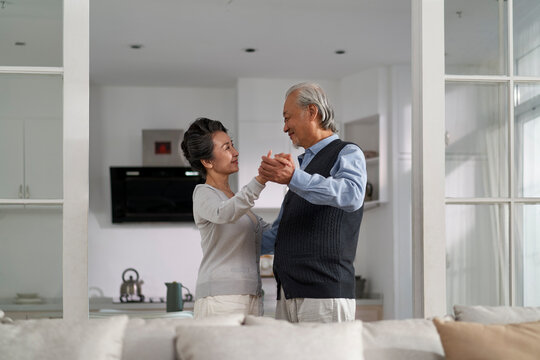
{"x": 475, "y": 37}
{"x": 31, "y": 260}
{"x": 526, "y": 233}
{"x": 31, "y": 33}
{"x": 527, "y": 140}
{"x": 477, "y": 265}
{"x": 31, "y": 136}
{"x": 476, "y": 138}
{"x": 526, "y": 39}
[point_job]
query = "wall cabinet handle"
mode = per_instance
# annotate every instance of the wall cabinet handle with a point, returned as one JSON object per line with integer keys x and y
{"x": 27, "y": 192}
{"x": 20, "y": 191}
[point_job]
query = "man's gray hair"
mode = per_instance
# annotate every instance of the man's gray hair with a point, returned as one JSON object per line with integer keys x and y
{"x": 311, "y": 93}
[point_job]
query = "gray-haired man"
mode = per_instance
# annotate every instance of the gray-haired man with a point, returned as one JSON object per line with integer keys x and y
{"x": 315, "y": 236}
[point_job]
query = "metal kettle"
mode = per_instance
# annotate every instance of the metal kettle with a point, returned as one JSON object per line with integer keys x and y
{"x": 130, "y": 290}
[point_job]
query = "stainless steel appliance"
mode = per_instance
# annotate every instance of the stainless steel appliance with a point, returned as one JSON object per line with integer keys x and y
{"x": 130, "y": 290}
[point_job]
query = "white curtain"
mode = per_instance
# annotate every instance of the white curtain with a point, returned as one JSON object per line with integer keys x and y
{"x": 496, "y": 180}
{"x": 477, "y": 235}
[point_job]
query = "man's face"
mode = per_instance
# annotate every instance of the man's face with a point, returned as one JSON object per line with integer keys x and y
{"x": 296, "y": 119}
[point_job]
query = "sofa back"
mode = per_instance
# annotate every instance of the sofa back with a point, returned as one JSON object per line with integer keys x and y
{"x": 401, "y": 339}
{"x": 152, "y": 339}
{"x": 496, "y": 314}
{"x": 382, "y": 340}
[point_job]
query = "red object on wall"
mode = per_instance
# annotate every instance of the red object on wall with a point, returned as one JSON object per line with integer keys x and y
{"x": 162, "y": 147}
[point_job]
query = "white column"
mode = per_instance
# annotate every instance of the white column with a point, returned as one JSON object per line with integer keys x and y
{"x": 428, "y": 156}
{"x": 76, "y": 129}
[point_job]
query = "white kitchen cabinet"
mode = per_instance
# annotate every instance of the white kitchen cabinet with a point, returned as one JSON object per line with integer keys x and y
{"x": 11, "y": 159}
{"x": 31, "y": 158}
{"x": 31, "y": 250}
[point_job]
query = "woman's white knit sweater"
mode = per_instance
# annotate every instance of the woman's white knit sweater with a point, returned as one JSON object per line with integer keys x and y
{"x": 230, "y": 241}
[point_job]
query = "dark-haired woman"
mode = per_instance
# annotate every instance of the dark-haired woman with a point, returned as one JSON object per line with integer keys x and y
{"x": 228, "y": 280}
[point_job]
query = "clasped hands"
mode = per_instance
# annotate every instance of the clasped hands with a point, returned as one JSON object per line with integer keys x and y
{"x": 278, "y": 169}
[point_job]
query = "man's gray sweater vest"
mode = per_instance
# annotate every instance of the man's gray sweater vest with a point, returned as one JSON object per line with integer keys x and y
{"x": 316, "y": 244}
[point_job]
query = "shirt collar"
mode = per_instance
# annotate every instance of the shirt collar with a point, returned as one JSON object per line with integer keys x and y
{"x": 314, "y": 149}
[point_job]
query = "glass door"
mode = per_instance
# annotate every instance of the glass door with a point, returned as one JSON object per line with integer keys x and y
{"x": 492, "y": 61}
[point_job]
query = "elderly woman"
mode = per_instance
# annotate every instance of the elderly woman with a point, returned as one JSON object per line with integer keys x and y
{"x": 228, "y": 280}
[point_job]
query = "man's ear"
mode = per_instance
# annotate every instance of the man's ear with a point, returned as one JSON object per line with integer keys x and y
{"x": 313, "y": 112}
{"x": 207, "y": 163}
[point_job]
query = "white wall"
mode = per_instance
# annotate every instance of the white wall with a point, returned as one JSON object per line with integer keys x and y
{"x": 160, "y": 252}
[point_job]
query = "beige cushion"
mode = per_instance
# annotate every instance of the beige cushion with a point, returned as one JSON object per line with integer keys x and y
{"x": 61, "y": 339}
{"x": 496, "y": 314}
{"x": 152, "y": 339}
{"x": 402, "y": 339}
{"x": 473, "y": 341}
{"x": 275, "y": 340}
{"x": 388, "y": 340}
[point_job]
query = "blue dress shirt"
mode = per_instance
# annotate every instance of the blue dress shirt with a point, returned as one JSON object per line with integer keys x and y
{"x": 344, "y": 188}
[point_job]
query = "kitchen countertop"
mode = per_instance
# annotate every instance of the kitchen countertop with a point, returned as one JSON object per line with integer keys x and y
{"x": 95, "y": 304}
{"x": 370, "y": 299}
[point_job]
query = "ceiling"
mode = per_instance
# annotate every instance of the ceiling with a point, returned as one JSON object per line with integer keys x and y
{"x": 200, "y": 43}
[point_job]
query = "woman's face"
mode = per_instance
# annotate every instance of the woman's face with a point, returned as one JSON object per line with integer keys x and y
{"x": 225, "y": 159}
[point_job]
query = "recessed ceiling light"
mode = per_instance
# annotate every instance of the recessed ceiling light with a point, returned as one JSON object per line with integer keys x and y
{"x": 20, "y": 43}
{"x": 135, "y": 46}
{"x": 340, "y": 52}
{"x": 250, "y": 50}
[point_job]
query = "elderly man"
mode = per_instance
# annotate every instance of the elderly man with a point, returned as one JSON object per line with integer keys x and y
{"x": 315, "y": 235}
